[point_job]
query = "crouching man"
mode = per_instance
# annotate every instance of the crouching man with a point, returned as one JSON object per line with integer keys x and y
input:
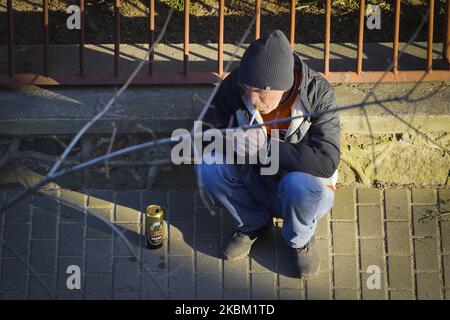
{"x": 272, "y": 82}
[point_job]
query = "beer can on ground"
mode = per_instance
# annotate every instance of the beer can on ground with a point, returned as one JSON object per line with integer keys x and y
{"x": 154, "y": 226}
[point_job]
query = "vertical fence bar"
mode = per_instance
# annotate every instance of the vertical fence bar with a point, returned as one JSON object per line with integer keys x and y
{"x": 151, "y": 36}
{"x": 117, "y": 37}
{"x": 396, "y": 36}
{"x": 81, "y": 47}
{"x": 360, "y": 37}
{"x": 446, "y": 42}
{"x": 11, "y": 39}
{"x": 292, "y": 34}
{"x": 186, "y": 37}
{"x": 221, "y": 30}
{"x": 430, "y": 37}
{"x": 45, "y": 27}
{"x": 258, "y": 18}
{"x": 326, "y": 55}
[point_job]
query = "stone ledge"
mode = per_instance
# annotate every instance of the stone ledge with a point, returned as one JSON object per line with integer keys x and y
{"x": 41, "y": 111}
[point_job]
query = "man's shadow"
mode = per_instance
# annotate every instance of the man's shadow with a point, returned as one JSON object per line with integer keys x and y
{"x": 268, "y": 254}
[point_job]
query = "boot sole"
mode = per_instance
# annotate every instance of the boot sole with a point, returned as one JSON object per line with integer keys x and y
{"x": 225, "y": 257}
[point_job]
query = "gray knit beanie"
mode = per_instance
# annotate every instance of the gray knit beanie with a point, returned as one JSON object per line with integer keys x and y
{"x": 268, "y": 63}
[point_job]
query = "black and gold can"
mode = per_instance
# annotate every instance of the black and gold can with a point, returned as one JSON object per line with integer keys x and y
{"x": 154, "y": 226}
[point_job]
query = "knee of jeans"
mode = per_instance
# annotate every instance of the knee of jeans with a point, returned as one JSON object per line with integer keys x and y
{"x": 303, "y": 193}
{"x": 209, "y": 174}
{"x": 300, "y": 186}
{"x": 205, "y": 174}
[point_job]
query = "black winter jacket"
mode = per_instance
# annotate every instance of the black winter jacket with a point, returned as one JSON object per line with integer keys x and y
{"x": 313, "y": 144}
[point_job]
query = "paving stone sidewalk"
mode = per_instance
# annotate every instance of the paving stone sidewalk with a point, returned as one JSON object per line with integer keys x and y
{"x": 397, "y": 232}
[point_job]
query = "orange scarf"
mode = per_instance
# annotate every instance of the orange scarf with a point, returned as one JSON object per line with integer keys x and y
{"x": 283, "y": 110}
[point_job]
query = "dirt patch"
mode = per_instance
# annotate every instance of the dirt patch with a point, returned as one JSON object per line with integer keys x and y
{"x": 401, "y": 159}
{"x": 411, "y": 164}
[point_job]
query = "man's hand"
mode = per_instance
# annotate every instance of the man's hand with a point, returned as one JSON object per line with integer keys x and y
{"x": 249, "y": 141}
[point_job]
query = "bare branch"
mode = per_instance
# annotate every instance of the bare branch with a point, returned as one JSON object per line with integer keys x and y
{"x": 113, "y": 136}
{"x": 31, "y": 269}
{"x": 364, "y": 103}
{"x": 113, "y": 227}
{"x": 113, "y": 99}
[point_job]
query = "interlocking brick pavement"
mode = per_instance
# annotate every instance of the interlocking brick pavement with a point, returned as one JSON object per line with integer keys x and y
{"x": 396, "y": 232}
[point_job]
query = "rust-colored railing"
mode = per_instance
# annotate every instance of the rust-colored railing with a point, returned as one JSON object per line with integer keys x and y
{"x": 187, "y": 77}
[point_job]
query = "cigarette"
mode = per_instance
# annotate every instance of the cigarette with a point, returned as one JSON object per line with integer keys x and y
{"x": 253, "y": 118}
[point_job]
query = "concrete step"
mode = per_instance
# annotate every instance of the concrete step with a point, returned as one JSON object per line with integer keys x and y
{"x": 33, "y": 110}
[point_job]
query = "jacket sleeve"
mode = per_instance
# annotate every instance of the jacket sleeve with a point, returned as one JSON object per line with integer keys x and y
{"x": 319, "y": 154}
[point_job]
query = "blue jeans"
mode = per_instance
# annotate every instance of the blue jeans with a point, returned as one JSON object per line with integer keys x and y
{"x": 252, "y": 199}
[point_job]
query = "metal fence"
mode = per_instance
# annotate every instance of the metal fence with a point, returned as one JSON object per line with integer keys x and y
{"x": 187, "y": 77}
